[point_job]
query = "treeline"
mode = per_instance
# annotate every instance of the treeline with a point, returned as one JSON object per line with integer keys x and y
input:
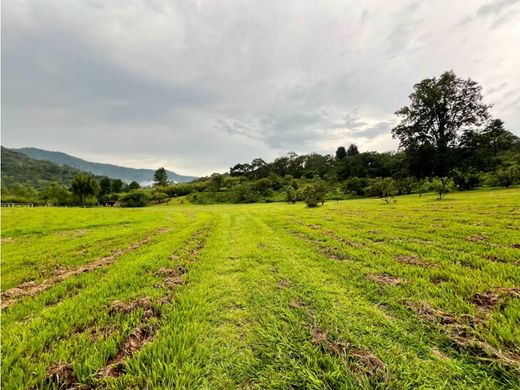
{"x": 85, "y": 189}
{"x": 350, "y": 173}
{"x": 448, "y": 141}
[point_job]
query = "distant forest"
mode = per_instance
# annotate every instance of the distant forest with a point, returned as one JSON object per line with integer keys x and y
{"x": 448, "y": 142}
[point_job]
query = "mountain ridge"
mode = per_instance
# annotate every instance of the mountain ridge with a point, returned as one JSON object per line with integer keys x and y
{"x": 143, "y": 176}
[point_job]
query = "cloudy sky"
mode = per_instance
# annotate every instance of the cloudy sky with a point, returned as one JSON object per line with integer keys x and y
{"x": 198, "y": 86}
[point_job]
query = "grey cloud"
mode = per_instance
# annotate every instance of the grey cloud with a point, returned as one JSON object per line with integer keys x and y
{"x": 496, "y": 7}
{"x": 498, "y": 12}
{"x": 198, "y": 86}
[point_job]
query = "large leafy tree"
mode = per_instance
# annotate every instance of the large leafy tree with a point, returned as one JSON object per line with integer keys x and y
{"x": 84, "y": 186}
{"x": 440, "y": 111}
{"x": 160, "y": 177}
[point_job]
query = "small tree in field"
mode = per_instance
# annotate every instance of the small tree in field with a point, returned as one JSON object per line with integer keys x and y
{"x": 292, "y": 195}
{"x": 160, "y": 177}
{"x": 314, "y": 194}
{"x": 386, "y": 189}
{"x": 310, "y": 195}
{"x": 440, "y": 187}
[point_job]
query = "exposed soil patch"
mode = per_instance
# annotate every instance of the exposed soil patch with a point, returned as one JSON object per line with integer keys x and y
{"x": 366, "y": 363}
{"x": 461, "y": 330}
{"x": 386, "y": 279}
{"x": 319, "y": 336}
{"x": 516, "y": 246}
{"x": 139, "y": 303}
{"x": 439, "y": 279}
{"x": 172, "y": 276}
{"x": 488, "y": 301}
{"x": 413, "y": 260}
{"x": 297, "y": 304}
{"x": 495, "y": 259}
{"x": 361, "y": 360}
{"x": 140, "y": 336}
{"x": 283, "y": 283}
{"x": 477, "y": 238}
{"x": 74, "y": 233}
{"x": 62, "y": 374}
{"x": 33, "y": 288}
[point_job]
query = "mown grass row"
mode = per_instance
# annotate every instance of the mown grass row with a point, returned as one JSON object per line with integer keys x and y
{"x": 39, "y": 337}
{"x": 356, "y": 294}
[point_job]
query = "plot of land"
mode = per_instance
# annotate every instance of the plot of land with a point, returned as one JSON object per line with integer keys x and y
{"x": 419, "y": 293}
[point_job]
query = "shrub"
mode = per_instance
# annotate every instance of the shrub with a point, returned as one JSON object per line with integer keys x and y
{"x": 466, "y": 181}
{"x": 136, "y": 198}
{"x": 355, "y": 185}
{"x": 314, "y": 194}
{"x": 508, "y": 176}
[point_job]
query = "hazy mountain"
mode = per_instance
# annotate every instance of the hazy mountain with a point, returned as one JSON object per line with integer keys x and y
{"x": 20, "y": 168}
{"x": 142, "y": 176}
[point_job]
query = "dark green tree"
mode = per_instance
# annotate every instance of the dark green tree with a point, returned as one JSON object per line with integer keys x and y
{"x": 133, "y": 186}
{"x": 440, "y": 110}
{"x": 105, "y": 186}
{"x": 160, "y": 177}
{"x": 117, "y": 186}
{"x": 292, "y": 195}
{"x": 341, "y": 153}
{"x": 352, "y": 150}
{"x": 84, "y": 186}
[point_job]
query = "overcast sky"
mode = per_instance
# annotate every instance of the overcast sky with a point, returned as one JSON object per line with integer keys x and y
{"x": 197, "y": 86}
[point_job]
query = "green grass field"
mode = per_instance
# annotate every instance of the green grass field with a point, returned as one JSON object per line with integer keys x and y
{"x": 356, "y": 294}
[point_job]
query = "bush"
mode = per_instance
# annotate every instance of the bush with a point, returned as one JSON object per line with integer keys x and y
{"x": 313, "y": 194}
{"x": 158, "y": 197}
{"x": 136, "y": 198}
{"x": 406, "y": 185}
{"x": 506, "y": 177}
{"x": 355, "y": 185}
{"x": 466, "y": 181}
{"x": 262, "y": 186}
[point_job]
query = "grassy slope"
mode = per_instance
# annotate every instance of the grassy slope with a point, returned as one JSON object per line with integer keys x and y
{"x": 278, "y": 296}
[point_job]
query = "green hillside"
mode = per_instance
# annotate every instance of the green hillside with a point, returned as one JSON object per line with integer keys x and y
{"x": 19, "y": 168}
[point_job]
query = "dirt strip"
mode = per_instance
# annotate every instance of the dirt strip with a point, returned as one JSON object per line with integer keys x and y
{"x": 13, "y": 295}
{"x": 62, "y": 374}
{"x": 145, "y": 332}
{"x": 462, "y": 329}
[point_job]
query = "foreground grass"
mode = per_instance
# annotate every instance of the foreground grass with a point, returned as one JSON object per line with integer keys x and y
{"x": 419, "y": 293}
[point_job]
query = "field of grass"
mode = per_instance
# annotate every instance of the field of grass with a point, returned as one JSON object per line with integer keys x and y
{"x": 355, "y": 294}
